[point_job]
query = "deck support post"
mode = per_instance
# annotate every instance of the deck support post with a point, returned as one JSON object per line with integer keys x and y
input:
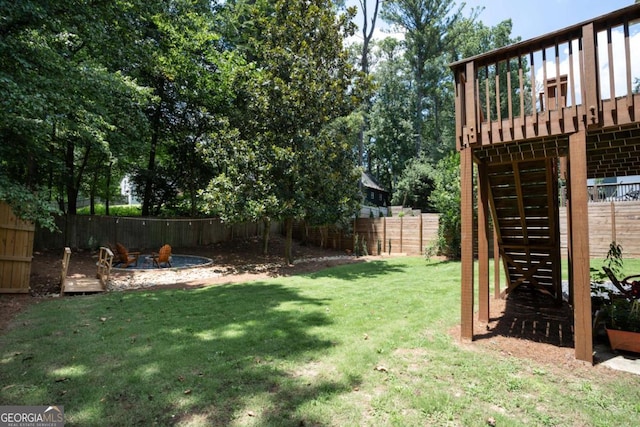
{"x": 496, "y": 264}
{"x": 483, "y": 243}
{"x": 579, "y": 246}
{"x": 466, "y": 245}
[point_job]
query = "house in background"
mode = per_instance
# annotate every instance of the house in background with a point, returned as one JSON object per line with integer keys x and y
{"x": 374, "y": 194}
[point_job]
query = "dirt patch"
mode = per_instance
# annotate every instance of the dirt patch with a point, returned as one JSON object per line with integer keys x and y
{"x": 530, "y": 325}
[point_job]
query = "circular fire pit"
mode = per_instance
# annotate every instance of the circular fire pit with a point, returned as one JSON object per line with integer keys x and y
{"x": 178, "y": 262}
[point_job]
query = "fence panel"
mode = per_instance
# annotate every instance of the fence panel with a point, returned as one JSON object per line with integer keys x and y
{"x": 406, "y": 234}
{"x": 430, "y": 225}
{"x": 411, "y": 242}
{"x": 90, "y": 232}
{"x": 372, "y": 232}
{"x": 16, "y": 251}
{"x": 619, "y": 221}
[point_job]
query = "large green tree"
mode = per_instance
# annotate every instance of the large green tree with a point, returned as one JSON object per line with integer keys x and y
{"x": 427, "y": 25}
{"x": 302, "y": 82}
{"x": 390, "y": 136}
{"x": 61, "y": 105}
{"x": 185, "y": 64}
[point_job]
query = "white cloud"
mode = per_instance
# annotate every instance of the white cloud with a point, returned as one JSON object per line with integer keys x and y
{"x": 378, "y": 34}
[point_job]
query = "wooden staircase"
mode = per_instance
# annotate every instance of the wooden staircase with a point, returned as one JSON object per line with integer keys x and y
{"x": 523, "y": 196}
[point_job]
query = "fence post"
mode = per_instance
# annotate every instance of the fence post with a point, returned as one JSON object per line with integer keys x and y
{"x": 401, "y": 233}
{"x": 420, "y": 231}
{"x": 613, "y": 221}
{"x": 384, "y": 233}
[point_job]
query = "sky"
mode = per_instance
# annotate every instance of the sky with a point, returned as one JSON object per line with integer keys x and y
{"x": 535, "y": 18}
{"x": 531, "y": 18}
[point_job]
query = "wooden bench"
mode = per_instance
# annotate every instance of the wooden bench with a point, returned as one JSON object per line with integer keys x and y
{"x": 86, "y": 284}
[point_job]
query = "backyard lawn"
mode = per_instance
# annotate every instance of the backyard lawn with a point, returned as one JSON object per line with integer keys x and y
{"x": 353, "y": 345}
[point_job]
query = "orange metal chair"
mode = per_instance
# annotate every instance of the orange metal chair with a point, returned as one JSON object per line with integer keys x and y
{"x": 162, "y": 257}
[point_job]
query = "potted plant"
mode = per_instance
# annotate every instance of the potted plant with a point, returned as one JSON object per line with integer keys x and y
{"x": 622, "y": 323}
{"x": 618, "y": 312}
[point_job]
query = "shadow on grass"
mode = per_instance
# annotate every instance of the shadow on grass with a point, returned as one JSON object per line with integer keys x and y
{"x": 209, "y": 356}
{"x": 358, "y": 270}
{"x": 533, "y": 316}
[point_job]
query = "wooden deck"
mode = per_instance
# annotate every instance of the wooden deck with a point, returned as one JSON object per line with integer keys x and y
{"x": 567, "y": 104}
{"x": 83, "y": 285}
{"x": 541, "y": 90}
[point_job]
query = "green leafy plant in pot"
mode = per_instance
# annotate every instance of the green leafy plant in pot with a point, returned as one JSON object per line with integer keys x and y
{"x": 622, "y": 317}
{"x": 623, "y": 314}
{"x": 619, "y": 312}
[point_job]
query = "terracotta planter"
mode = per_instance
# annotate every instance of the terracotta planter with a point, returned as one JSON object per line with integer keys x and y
{"x": 624, "y": 340}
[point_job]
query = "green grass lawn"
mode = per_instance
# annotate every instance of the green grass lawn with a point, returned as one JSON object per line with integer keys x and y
{"x": 354, "y": 345}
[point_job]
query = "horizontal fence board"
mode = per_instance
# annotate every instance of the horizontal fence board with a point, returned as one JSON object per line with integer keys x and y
{"x": 619, "y": 221}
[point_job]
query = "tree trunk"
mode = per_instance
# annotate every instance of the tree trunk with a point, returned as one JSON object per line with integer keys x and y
{"x": 288, "y": 256}
{"x": 73, "y": 185}
{"x": 92, "y": 193}
{"x": 108, "y": 192}
{"x": 151, "y": 165}
{"x": 265, "y": 236}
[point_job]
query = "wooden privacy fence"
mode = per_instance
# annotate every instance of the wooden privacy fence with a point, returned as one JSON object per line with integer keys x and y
{"x": 90, "y": 232}
{"x": 16, "y": 250}
{"x": 409, "y": 234}
{"x": 619, "y": 221}
{"x": 405, "y": 234}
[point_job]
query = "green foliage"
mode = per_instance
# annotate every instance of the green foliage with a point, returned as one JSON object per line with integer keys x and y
{"x": 613, "y": 260}
{"x": 429, "y": 40}
{"x": 446, "y": 199}
{"x": 390, "y": 135}
{"x": 416, "y": 185}
{"x": 291, "y": 156}
{"x": 413, "y": 106}
{"x": 65, "y": 111}
{"x": 28, "y": 205}
{"x": 623, "y": 314}
{"x": 117, "y": 210}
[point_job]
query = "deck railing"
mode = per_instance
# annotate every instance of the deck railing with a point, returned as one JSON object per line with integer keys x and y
{"x": 614, "y": 192}
{"x": 583, "y": 76}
